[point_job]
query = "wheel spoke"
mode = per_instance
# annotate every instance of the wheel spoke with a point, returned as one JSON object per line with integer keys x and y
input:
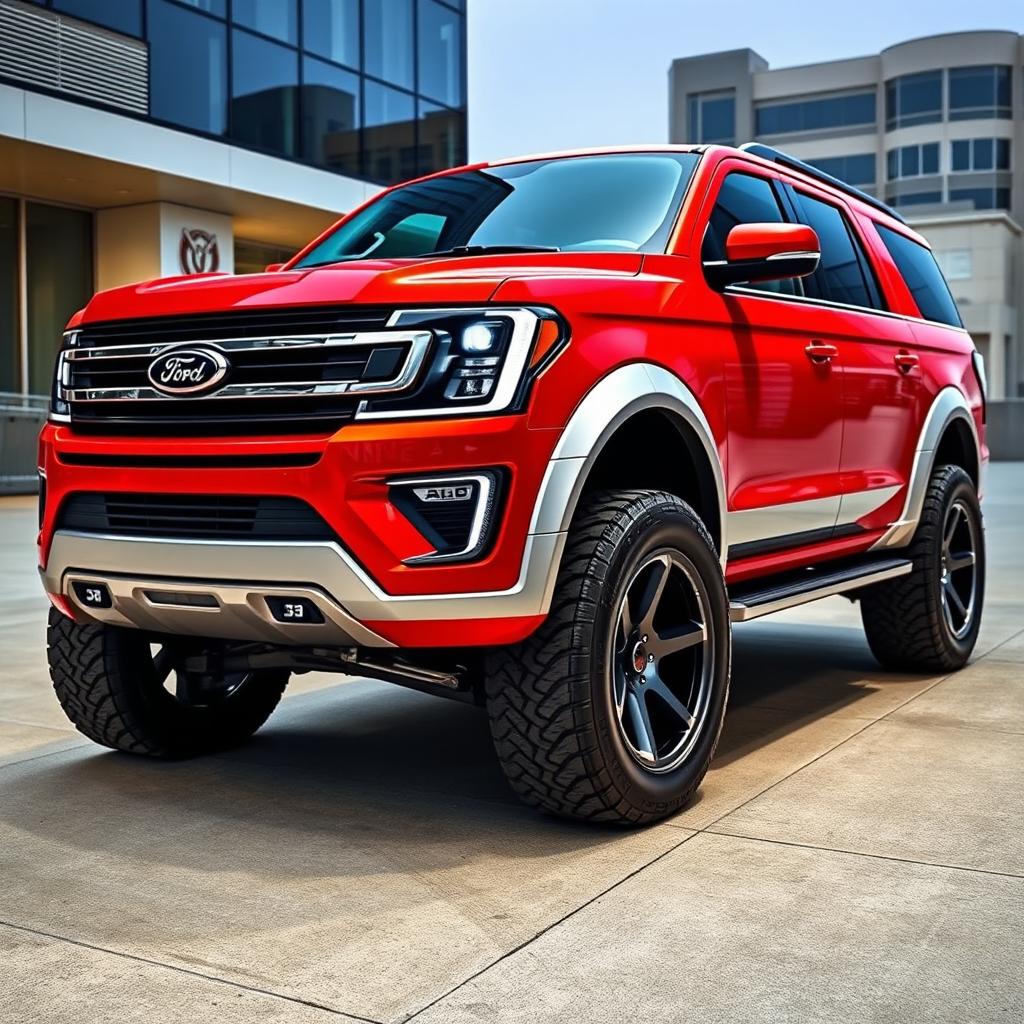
{"x": 163, "y": 663}
{"x": 641, "y": 726}
{"x": 676, "y": 706}
{"x": 951, "y": 525}
{"x": 961, "y": 560}
{"x": 654, "y": 587}
{"x": 954, "y": 597}
{"x": 679, "y": 639}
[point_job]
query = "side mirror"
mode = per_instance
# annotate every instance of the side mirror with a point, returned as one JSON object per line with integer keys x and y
{"x": 765, "y": 252}
{"x": 272, "y": 268}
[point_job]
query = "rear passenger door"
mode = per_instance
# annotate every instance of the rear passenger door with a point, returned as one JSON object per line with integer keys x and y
{"x": 880, "y": 381}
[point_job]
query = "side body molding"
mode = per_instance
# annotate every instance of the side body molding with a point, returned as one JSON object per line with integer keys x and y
{"x": 949, "y": 405}
{"x": 613, "y": 400}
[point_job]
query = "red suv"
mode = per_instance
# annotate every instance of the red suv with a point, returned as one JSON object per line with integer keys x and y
{"x": 529, "y": 434}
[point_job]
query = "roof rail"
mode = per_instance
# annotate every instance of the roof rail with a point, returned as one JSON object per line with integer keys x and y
{"x": 778, "y": 157}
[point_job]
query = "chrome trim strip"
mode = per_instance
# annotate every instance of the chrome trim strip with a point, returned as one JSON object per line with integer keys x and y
{"x": 524, "y": 330}
{"x": 485, "y": 494}
{"x": 418, "y": 341}
{"x": 950, "y": 404}
{"x": 739, "y": 612}
{"x": 747, "y": 526}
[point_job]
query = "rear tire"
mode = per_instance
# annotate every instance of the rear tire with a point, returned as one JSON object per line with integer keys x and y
{"x": 109, "y": 684}
{"x": 928, "y": 621}
{"x": 589, "y": 714}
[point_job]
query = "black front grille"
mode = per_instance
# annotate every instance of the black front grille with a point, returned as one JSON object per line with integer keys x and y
{"x": 277, "y": 364}
{"x": 195, "y": 516}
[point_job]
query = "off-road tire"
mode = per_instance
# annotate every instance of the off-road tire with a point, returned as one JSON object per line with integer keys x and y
{"x": 106, "y": 683}
{"x": 903, "y": 617}
{"x": 548, "y": 698}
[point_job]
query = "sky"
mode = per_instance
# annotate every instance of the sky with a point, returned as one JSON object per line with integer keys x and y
{"x": 560, "y": 74}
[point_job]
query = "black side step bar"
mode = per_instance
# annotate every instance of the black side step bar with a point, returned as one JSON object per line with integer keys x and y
{"x": 751, "y": 600}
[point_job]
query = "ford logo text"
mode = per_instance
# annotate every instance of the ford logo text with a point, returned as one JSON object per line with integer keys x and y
{"x": 187, "y": 371}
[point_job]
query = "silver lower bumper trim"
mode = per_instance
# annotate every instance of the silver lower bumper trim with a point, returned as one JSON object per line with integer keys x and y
{"x": 241, "y": 575}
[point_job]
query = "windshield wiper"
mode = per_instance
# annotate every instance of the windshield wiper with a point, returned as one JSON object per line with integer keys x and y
{"x": 486, "y": 250}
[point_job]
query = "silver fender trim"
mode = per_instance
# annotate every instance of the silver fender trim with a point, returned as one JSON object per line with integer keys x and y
{"x": 614, "y": 399}
{"x": 949, "y": 405}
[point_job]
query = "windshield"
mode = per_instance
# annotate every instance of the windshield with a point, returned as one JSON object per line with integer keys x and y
{"x": 616, "y": 203}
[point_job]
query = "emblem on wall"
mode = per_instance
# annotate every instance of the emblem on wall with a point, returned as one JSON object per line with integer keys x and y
{"x": 198, "y": 252}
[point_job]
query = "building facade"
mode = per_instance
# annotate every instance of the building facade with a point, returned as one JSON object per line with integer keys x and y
{"x": 933, "y": 126}
{"x": 146, "y": 138}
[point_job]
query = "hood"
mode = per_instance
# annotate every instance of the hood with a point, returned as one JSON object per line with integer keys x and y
{"x": 444, "y": 281}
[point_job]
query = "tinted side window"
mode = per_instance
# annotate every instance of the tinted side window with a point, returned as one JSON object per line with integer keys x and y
{"x": 843, "y": 264}
{"x": 744, "y": 199}
{"x": 922, "y": 276}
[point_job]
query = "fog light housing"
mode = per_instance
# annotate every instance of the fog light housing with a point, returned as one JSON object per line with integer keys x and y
{"x": 455, "y": 514}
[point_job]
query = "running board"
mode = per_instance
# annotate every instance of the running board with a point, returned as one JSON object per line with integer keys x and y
{"x": 751, "y": 600}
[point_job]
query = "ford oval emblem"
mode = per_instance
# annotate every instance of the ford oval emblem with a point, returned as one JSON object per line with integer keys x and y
{"x": 187, "y": 371}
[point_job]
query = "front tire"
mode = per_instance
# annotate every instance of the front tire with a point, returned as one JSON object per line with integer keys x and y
{"x": 612, "y": 709}
{"x": 928, "y": 621}
{"x": 121, "y": 693}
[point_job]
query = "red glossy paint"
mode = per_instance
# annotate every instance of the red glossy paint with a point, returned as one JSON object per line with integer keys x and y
{"x": 790, "y": 422}
{"x": 763, "y": 241}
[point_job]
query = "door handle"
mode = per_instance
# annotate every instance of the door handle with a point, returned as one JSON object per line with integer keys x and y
{"x": 905, "y": 361}
{"x": 819, "y": 352}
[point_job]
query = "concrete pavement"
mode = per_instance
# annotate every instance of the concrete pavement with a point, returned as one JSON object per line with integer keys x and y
{"x": 854, "y": 855}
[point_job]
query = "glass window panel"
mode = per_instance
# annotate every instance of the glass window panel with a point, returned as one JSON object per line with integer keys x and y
{"x": 58, "y": 254}
{"x": 921, "y": 273}
{"x": 1002, "y": 154}
{"x": 622, "y": 202}
{"x": 264, "y": 80}
{"x": 916, "y": 199}
{"x": 277, "y": 18}
{"x": 854, "y": 170}
{"x": 839, "y": 268}
{"x": 979, "y": 92}
{"x": 982, "y": 198}
{"x": 390, "y": 133}
{"x": 692, "y": 117}
{"x": 984, "y": 154}
{"x": 961, "y": 157}
{"x": 218, "y": 8}
{"x": 10, "y": 361}
{"x": 718, "y": 119}
{"x": 330, "y": 116}
{"x": 930, "y": 158}
{"x": 440, "y": 53}
{"x": 187, "y": 68}
{"x": 892, "y": 164}
{"x": 914, "y": 99}
{"x": 331, "y": 29}
{"x": 909, "y": 162}
{"x": 744, "y": 199}
{"x": 442, "y": 138}
{"x": 816, "y": 115}
{"x": 387, "y": 40}
{"x": 120, "y": 15}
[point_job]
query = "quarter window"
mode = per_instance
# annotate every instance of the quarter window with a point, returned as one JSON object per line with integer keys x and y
{"x": 922, "y": 276}
{"x": 913, "y": 99}
{"x": 843, "y": 272}
{"x": 980, "y": 92}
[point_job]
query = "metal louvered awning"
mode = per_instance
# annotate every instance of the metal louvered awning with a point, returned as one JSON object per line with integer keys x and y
{"x": 40, "y": 47}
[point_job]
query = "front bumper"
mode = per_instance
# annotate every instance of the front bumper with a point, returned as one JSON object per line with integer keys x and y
{"x": 360, "y": 583}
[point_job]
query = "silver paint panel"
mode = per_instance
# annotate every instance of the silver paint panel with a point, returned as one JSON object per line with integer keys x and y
{"x": 950, "y": 404}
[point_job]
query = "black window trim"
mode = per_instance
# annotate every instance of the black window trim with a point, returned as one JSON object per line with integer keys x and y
{"x": 867, "y": 271}
{"x": 781, "y": 187}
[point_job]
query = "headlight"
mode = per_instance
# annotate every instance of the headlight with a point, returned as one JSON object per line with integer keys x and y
{"x": 481, "y": 361}
{"x": 60, "y": 412}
